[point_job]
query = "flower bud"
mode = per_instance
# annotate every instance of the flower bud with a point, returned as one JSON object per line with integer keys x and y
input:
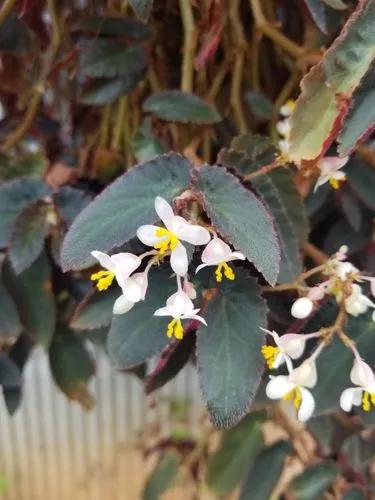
{"x": 302, "y": 308}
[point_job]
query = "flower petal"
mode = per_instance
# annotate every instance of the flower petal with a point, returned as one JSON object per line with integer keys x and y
{"x": 201, "y": 266}
{"x": 132, "y": 290}
{"x": 350, "y": 397}
{"x": 279, "y": 386}
{"x": 307, "y": 405}
{"x": 305, "y": 375}
{"x": 215, "y": 252}
{"x": 122, "y": 305}
{"x": 237, "y": 255}
{"x": 179, "y": 260}
{"x": 162, "y": 311}
{"x": 103, "y": 259}
{"x": 147, "y": 235}
{"x": 292, "y": 344}
{"x": 179, "y": 304}
{"x": 164, "y": 211}
{"x": 198, "y": 318}
{"x": 361, "y": 373}
{"x": 191, "y": 233}
{"x": 302, "y": 308}
{"x": 279, "y": 360}
{"x": 124, "y": 265}
{"x": 331, "y": 164}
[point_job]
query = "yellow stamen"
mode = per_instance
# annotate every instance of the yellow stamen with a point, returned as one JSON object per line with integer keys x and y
{"x": 104, "y": 279}
{"x": 270, "y": 353}
{"x": 170, "y": 240}
{"x": 368, "y": 400}
{"x": 291, "y": 105}
{"x": 296, "y": 396}
{"x": 228, "y": 272}
{"x": 336, "y": 183}
{"x": 175, "y": 328}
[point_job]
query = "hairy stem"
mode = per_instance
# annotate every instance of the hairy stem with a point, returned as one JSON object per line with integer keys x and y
{"x": 190, "y": 42}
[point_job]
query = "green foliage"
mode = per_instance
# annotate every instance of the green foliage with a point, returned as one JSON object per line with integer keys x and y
{"x": 114, "y": 217}
{"x": 265, "y": 472}
{"x": 260, "y": 105}
{"x": 72, "y": 366}
{"x": 137, "y": 335}
{"x": 238, "y": 450}
{"x": 95, "y": 310}
{"x": 361, "y": 178}
{"x": 176, "y": 106}
{"x": 339, "y": 72}
{"x": 161, "y": 477}
{"x": 10, "y": 325}
{"x": 228, "y": 204}
{"x": 32, "y": 294}
{"x": 142, "y": 8}
{"x": 314, "y": 481}
{"x": 15, "y": 196}
{"x": 228, "y": 351}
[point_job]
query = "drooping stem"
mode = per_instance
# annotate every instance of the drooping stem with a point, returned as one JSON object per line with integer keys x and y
{"x": 262, "y": 171}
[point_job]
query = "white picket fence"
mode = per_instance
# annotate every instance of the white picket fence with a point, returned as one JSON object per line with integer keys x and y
{"x": 51, "y": 449}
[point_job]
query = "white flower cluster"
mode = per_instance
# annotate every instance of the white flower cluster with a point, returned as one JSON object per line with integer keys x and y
{"x": 283, "y": 126}
{"x": 297, "y": 384}
{"x": 166, "y": 241}
{"x": 342, "y": 283}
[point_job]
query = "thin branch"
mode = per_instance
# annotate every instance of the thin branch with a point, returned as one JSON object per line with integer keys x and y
{"x": 275, "y": 35}
{"x": 316, "y": 255}
{"x": 190, "y": 42}
{"x": 262, "y": 171}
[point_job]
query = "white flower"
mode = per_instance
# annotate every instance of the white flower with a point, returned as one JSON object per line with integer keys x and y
{"x": 362, "y": 376}
{"x": 119, "y": 266}
{"x": 179, "y": 306}
{"x": 295, "y": 387}
{"x": 330, "y": 171}
{"x": 176, "y": 229}
{"x": 357, "y": 303}
{"x": 371, "y": 279}
{"x": 289, "y": 345}
{"x": 344, "y": 269}
{"x": 302, "y": 308}
{"x": 218, "y": 253}
{"x": 317, "y": 292}
{"x": 189, "y": 289}
{"x": 284, "y": 146}
{"x": 133, "y": 291}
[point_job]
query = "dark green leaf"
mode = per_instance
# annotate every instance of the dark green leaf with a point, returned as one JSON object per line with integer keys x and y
{"x": 361, "y": 178}
{"x": 107, "y": 91}
{"x": 142, "y": 8}
{"x": 10, "y": 375}
{"x": 10, "y": 325}
{"x": 314, "y": 481}
{"x": 358, "y": 451}
{"x": 72, "y": 366}
{"x": 291, "y": 262}
{"x": 145, "y": 144}
{"x": 318, "y": 11}
{"x": 137, "y": 335}
{"x": 15, "y": 196}
{"x": 334, "y": 377}
{"x": 241, "y": 218}
{"x": 237, "y": 451}
{"x": 260, "y": 105}
{"x": 114, "y": 216}
{"x": 171, "y": 363}
{"x": 228, "y": 350}
{"x": 162, "y": 476}
{"x": 361, "y": 118}
{"x": 32, "y": 294}
{"x": 70, "y": 202}
{"x": 116, "y": 26}
{"x": 30, "y": 231}
{"x": 265, "y": 472}
{"x": 177, "y": 106}
{"x": 95, "y": 310}
{"x": 109, "y": 58}
{"x": 354, "y": 494}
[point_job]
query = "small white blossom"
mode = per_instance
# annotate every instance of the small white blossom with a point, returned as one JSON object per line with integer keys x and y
{"x": 118, "y": 266}
{"x": 289, "y": 345}
{"x": 189, "y": 289}
{"x": 287, "y": 109}
{"x": 330, "y": 171}
{"x": 357, "y": 303}
{"x": 176, "y": 229}
{"x": 295, "y": 387}
{"x": 133, "y": 291}
{"x": 218, "y": 253}
{"x": 364, "y": 394}
{"x": 179, "y": 306}
{"x": 302, "y": 308}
